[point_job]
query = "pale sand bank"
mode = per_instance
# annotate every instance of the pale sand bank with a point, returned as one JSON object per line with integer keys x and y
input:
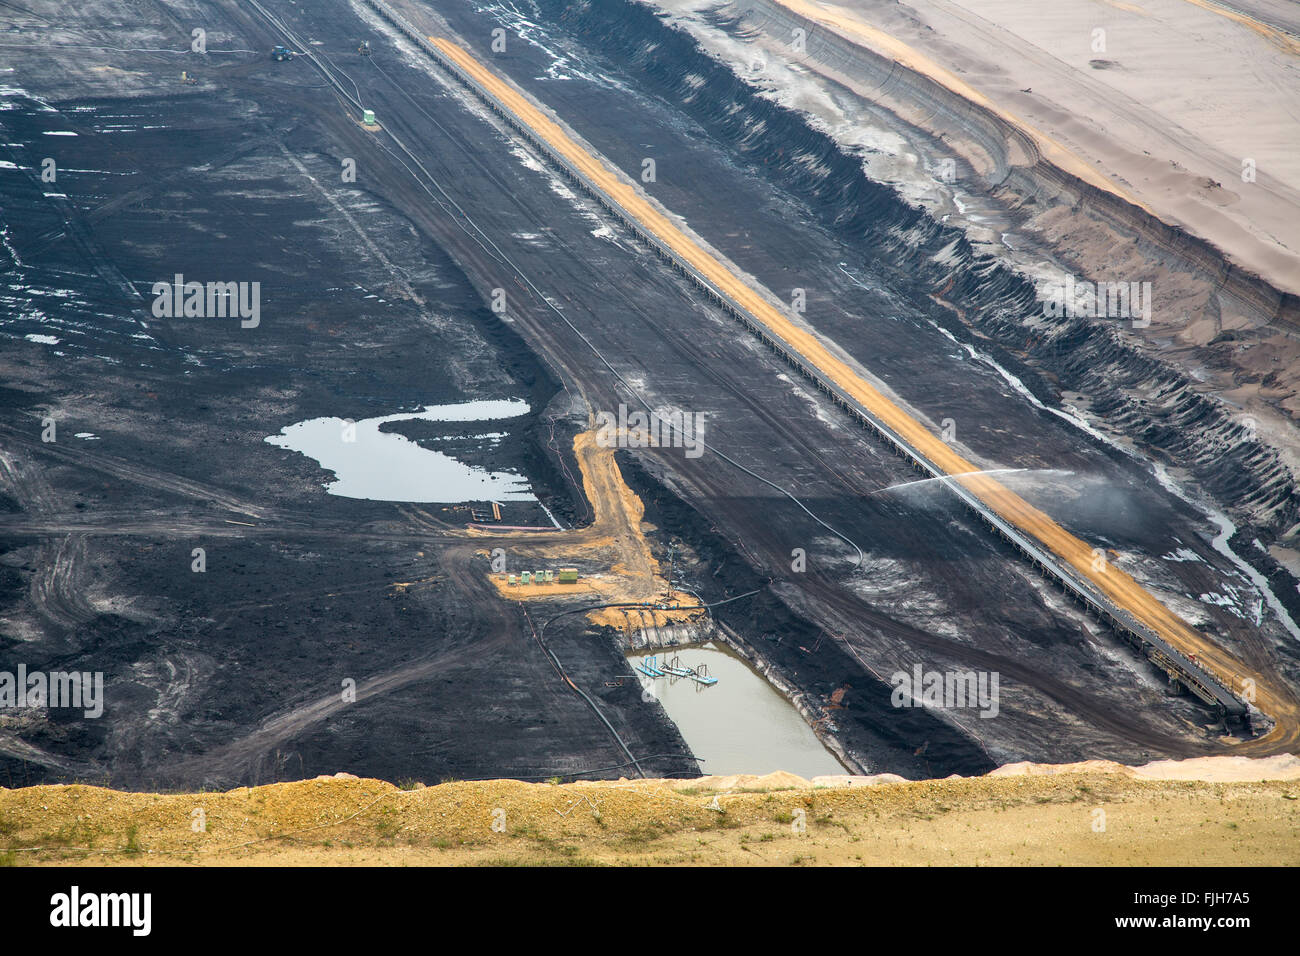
{"x": 1163, "y": 106}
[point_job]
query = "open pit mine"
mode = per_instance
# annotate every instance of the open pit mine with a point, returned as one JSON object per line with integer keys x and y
{"x": 529, "y": 403}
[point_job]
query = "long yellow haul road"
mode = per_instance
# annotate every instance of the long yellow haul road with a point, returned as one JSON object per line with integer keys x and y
{"x": 1272, "y": 696}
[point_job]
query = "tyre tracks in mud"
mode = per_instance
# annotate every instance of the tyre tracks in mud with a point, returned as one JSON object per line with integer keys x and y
{"x": 135, "y": 474}
{"x": 243, "y": 756}
{"x": 56, "y": 590}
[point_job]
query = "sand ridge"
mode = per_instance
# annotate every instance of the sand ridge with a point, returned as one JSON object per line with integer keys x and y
{"x": 1090, "y": 813}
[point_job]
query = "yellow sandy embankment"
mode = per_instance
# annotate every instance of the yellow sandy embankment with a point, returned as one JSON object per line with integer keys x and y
{"x": 1211, "y": 811}
{"x": 614, "y": 542}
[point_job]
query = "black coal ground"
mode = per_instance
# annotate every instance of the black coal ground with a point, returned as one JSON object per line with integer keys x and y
{"x": 374, "y": 302}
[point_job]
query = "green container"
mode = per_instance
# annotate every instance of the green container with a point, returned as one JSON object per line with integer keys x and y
{"x": 368, "y": 117}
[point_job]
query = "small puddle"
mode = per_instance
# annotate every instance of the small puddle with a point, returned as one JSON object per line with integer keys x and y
{"x": 741, "y": 724}
{"x": 384, "y": 466}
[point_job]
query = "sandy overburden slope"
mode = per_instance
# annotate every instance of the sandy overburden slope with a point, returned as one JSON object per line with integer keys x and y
{"x": 1187, "y": 109}
{"x": 1208, "y": 811}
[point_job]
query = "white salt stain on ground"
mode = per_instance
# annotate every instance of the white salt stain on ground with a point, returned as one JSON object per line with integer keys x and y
{"x": 384, "y": 466}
